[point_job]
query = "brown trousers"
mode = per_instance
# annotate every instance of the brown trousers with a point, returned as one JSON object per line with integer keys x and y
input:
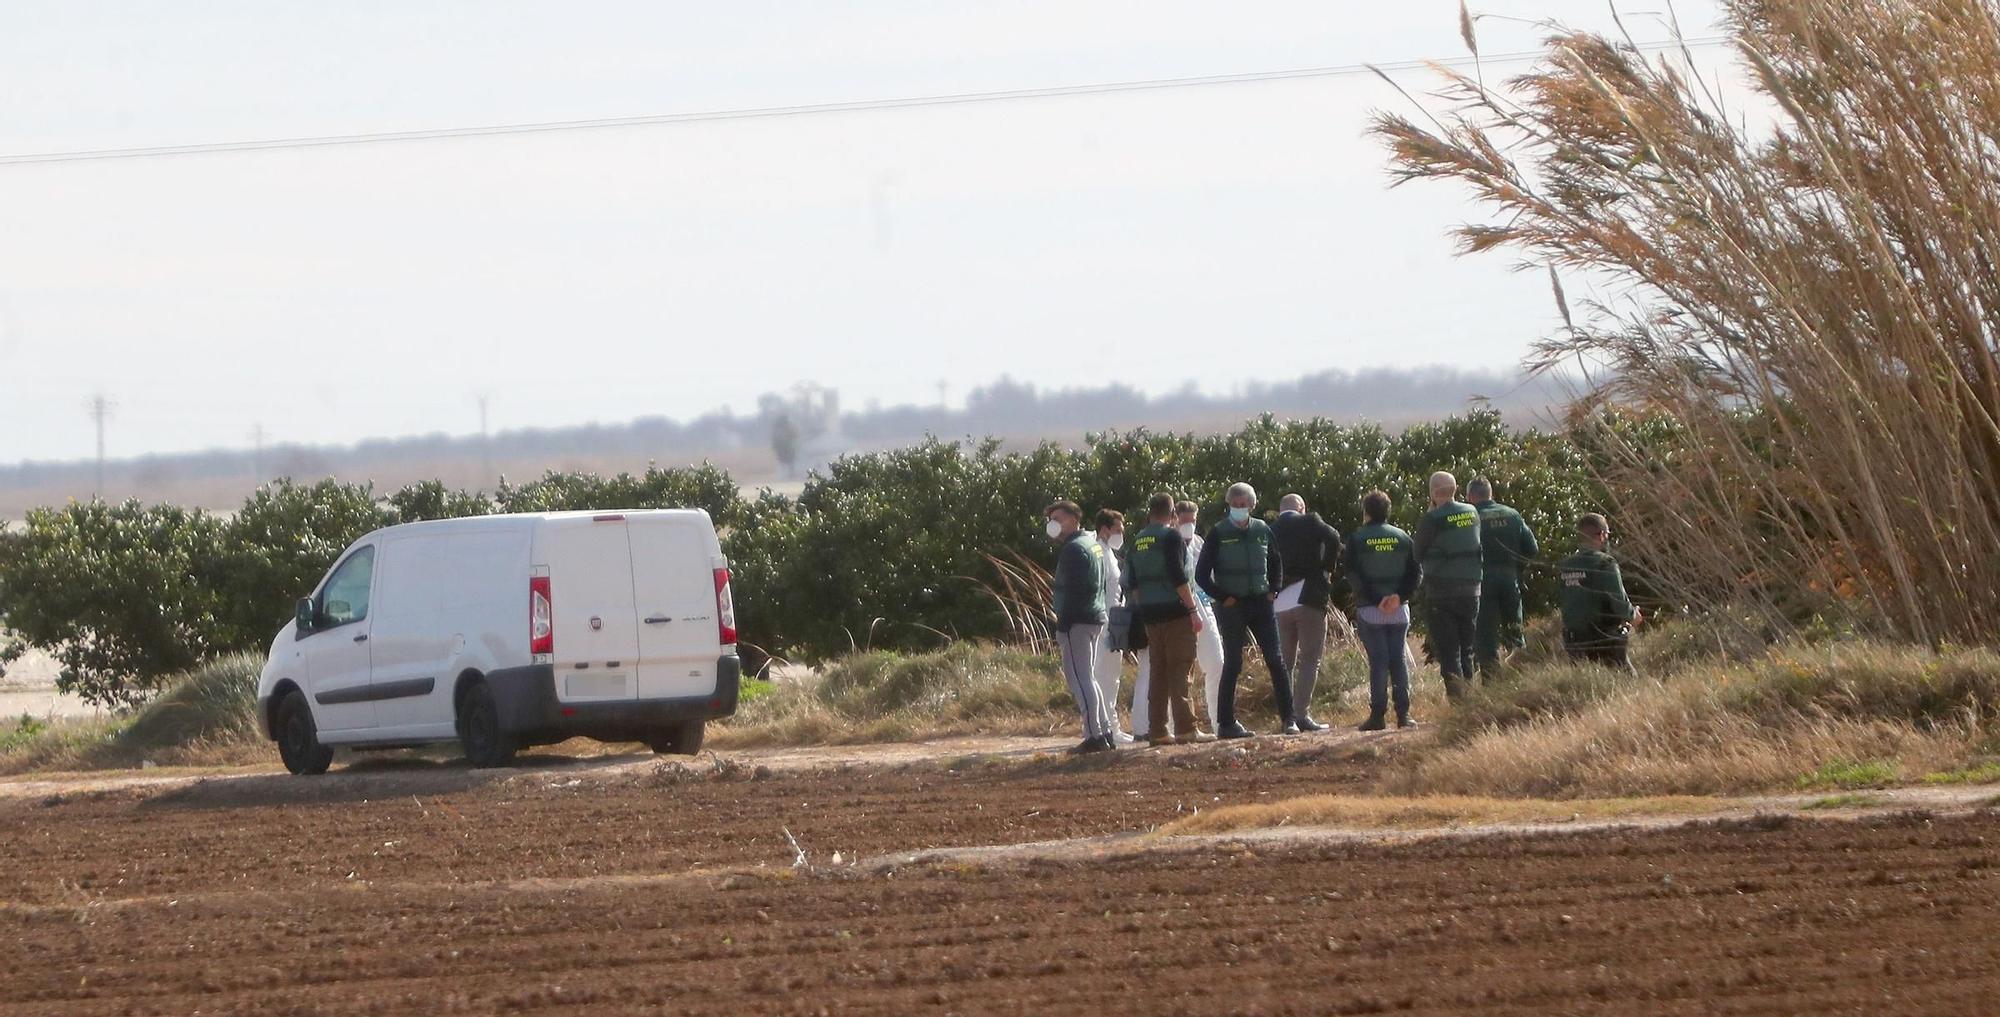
{"x": 1170, "y": 645}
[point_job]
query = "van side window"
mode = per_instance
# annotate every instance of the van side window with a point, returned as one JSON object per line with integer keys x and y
{"x": 346, "y": 596}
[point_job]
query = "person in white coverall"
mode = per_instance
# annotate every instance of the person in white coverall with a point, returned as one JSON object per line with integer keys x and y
{"x": 1207, "y": 642}
{"x": 1111, "y": 663}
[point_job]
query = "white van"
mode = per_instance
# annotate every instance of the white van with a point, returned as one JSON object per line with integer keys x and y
{"x": 506, "y": 631}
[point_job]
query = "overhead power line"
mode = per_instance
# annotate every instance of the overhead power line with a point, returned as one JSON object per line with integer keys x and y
{"x": 768, "y": 112}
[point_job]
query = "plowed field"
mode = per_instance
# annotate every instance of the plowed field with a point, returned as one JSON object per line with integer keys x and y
{"x": 676, "y": 890}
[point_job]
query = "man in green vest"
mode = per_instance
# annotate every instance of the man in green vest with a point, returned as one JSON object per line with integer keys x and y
{"x": 1156, "y": 582}
{"x": 1597, "y": 615}
{"x": 1448, "y": 548}
{"x": 1077, "y": 587}
{"x": 1505, "y": 542}
{"x": 1239, "y": 568}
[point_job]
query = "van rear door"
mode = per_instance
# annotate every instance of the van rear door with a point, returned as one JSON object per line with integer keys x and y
{"x": 674, "y": 586}
{"x": 590, "y": 592}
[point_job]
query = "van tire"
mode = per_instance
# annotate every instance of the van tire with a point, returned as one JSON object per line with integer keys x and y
{"x": 681, "y": 740}
{"x": 298, "y": 737}
{"x": 479, "y": 729}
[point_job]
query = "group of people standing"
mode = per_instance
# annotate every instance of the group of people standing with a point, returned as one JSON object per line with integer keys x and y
{"x": 1180, "y": 598}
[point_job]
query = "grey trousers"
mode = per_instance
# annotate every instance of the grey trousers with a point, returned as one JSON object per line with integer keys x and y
{"x": 1302, "y": 638}
{"x": 1078, "y": 646}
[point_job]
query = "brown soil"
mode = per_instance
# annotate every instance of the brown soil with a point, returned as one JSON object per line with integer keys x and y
{"x": 442, "y": 890}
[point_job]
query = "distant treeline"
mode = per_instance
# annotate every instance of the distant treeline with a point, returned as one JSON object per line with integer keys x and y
{"x": 1005, "y": 408}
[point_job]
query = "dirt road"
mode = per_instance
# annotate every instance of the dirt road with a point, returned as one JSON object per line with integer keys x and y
{"x": 622, "y": 886}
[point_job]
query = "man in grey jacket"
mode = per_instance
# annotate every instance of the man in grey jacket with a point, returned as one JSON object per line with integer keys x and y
{"x": 1077, "y": 588}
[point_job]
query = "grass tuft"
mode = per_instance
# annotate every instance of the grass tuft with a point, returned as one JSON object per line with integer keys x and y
{"x": 1850, "y": 774}
{"x": 1850, "y": 801}
{"x": 1987, "y": 772}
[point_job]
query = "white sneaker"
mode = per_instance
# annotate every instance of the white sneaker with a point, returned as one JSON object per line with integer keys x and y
{"x": 1122, "y": 738}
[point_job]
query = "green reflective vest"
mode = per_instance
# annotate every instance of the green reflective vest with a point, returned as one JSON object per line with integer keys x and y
{"x": 1147, "y": 563}
{"x": 1592, "y": 594}
{"x": 1452, "y": 553}
{"x": 1243, "y": 558}
{"x": 1381, "y": 554}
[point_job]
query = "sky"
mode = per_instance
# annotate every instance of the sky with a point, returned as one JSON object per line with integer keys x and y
{"x": 1223, "y": 234}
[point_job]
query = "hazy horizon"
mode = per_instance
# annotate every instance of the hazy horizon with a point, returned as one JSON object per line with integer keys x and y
{"x": 1232, "y": 234}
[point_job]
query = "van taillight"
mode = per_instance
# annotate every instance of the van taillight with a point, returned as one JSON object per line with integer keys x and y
{"x": 725, "y": 608}
{"x": 541, "y": 617}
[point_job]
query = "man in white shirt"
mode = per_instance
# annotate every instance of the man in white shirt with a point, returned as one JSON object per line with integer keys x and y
{"x": 1111, "y": 663}
{"x": 1208, "y": 642}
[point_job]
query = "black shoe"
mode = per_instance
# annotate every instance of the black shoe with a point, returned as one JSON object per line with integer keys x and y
{"x": 1108, "y": 743}
{"x": 1309, "y": 724}
{"x": 1234, "y": 731}
{"x": 1405, "y": 720}
{"x": 1088, "y": 745}
{"x": 1290, "y": 728}
{"x": 1372, "y": 724}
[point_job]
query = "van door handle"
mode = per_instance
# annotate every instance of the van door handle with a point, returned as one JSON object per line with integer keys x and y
{"x": 658, "y": 619}
{"x": 362, "y": 638}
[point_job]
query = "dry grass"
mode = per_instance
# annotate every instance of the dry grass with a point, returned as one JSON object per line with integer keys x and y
{"x": 1797, "y": 717}
{"x": 1805, "y": 315}
{"x": 1432, "y": 811}
{"x": 882, "y": 696}
{"x": 203, "y": 720}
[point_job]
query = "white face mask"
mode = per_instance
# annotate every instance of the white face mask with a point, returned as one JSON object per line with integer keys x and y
{"x": 1187, "y": 531}
{"x": 1115, "y": 541}
{"x": 1054, "y": 529}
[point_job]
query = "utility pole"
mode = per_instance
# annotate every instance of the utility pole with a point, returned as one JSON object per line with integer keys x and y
{"x": 100, "y": 408}
{"x": 257, "y": 452}
{"x": 485, "y": 445}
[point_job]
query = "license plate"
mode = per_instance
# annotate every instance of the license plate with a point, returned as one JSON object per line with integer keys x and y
{"x": 596, "y": 685}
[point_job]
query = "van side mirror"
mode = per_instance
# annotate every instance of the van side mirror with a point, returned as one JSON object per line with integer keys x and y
{"x": 303, "y": 613}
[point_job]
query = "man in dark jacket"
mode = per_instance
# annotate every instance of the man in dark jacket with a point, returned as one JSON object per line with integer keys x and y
{"x": 1239, "y": 568}
{"x": 1505, "y": 543}
{"x": 1448, "y": 548}
{"x": 1597, "y": 615}
{"x": 1077, "y": 586}
{"x": 1307, "y": 549}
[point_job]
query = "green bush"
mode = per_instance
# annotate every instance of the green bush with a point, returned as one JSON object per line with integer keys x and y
{"x": 707, "y": 487}
{"x": 430, "y": 499}
{"x": 122, "y": 596}
{"x": 277, "y": 547}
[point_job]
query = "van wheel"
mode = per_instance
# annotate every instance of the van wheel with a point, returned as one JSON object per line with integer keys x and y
{"x": 479, "y": 729}
{"x": 681, "y": 740}
{"x": 298, "y": 737}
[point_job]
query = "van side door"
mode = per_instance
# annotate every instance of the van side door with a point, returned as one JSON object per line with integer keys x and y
{"x": 409, "y": 646}
{"x": 337, "y": 651}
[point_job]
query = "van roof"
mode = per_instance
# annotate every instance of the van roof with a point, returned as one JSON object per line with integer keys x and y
{"x": 523, "y": 520}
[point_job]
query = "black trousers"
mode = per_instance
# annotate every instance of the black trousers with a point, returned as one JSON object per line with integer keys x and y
{"x": 1610, "y": 651}
{"x": 1454, "y": 616}
{"x": 1250, "y": 617}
